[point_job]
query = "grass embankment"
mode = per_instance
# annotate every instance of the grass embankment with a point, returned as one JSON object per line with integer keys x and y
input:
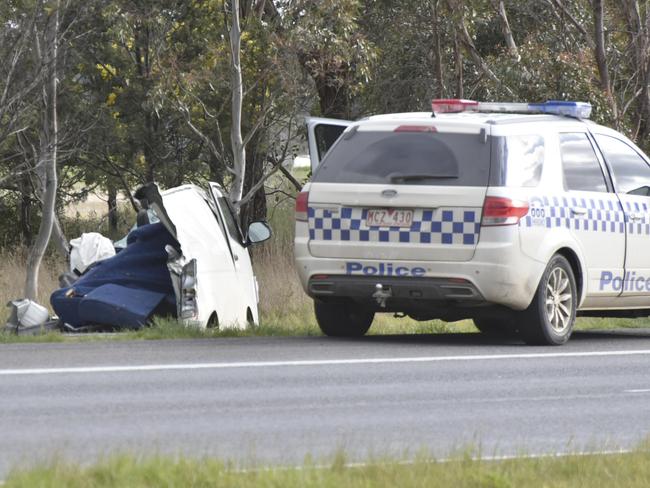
{"x": 625, "y": 470}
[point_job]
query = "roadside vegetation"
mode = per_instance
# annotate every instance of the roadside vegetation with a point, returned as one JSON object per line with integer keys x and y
{"x": 630, "y": 470}
{"x": 285, "y": 310}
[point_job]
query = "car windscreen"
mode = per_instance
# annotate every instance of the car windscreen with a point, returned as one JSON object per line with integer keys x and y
{"x": 416, "y": 158}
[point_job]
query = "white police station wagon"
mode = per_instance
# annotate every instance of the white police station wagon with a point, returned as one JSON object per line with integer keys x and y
{"x": 518, "y": 216}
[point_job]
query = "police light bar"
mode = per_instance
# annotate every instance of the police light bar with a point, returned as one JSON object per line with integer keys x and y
{"x": 578, "y": 110}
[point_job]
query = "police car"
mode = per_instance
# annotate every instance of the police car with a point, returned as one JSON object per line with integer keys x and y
{"x": 518, "y": 216}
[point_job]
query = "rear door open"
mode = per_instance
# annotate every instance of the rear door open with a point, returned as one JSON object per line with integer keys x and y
{"x": 322, "y": 134}
{"x": 401, "y": 192}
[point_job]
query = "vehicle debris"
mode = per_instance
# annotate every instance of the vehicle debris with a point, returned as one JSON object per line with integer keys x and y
{"x": 29, "y": 318}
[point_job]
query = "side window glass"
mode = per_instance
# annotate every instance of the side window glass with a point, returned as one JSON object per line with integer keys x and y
{"x": 582, "y": 171}
{"x": 631, "y": 172}
{"x": 231, "y": 223}
{"x": 524, "y": 160}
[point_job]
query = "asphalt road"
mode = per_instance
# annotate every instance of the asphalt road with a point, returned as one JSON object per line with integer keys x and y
{"x": 275, "y": 400}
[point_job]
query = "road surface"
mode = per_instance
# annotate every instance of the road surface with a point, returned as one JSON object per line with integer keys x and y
{"x": 276, "y": 400}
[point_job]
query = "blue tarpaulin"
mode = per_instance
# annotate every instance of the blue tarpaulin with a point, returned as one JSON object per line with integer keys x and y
{"x": 125, "y": 290}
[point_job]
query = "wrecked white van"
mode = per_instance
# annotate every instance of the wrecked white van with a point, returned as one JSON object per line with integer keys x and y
{"x": 187, "y": 257}
{"x": 212, "y": 275}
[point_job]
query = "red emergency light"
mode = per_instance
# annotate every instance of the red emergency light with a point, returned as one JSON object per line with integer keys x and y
{"x": 453, "y": 105}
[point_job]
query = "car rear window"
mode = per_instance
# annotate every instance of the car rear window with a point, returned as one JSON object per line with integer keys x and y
{"x": 416, "y": 158}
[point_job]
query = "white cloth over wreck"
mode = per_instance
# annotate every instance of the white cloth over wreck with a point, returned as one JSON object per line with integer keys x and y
{"x": 88, "y": 249}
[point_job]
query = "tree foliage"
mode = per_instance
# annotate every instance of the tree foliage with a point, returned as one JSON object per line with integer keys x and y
{"x": 144, "y": 87}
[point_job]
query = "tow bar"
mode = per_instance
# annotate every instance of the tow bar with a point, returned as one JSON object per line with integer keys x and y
{"x": 381, "y": 294}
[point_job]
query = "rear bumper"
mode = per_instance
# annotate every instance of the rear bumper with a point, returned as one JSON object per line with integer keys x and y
{"x": 498, "y": 274}
{"x": 399, "y": 289}
{"x": 420, "y": 298}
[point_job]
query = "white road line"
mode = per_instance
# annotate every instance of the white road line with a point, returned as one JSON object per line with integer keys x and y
{"x": 410, "y": 462}
{"x": 646, "y": 390}
{"x": 316, "y": 362}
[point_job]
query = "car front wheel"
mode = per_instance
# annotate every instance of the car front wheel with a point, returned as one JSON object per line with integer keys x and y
{"x": 550, "y": 318}
{"x": 342, "y": 319}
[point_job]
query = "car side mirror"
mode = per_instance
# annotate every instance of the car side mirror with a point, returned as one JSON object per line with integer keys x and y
{"x": 258, "y": 232}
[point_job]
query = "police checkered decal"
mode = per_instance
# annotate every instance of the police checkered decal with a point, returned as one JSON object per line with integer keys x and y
{"x": 600, "y": 216}
{"x": 442, "y": 226}
{"x": 638, "y": 227}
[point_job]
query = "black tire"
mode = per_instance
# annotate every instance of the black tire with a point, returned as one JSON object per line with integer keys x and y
{"x": 342, "y": 319}
{"x": 213, "y": 321}
{"x": 550, "y": 318}
{"x": 250, "y": 322}
{"x": 501, "y": 327}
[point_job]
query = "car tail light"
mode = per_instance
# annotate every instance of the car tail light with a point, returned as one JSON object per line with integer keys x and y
{"x": 503, "y": 211}
{"x": 188, "y": 306}
{"x": 302, "y": 206}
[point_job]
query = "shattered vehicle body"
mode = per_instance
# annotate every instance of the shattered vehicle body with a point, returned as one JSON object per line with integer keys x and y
{"x": 191, "y": 262}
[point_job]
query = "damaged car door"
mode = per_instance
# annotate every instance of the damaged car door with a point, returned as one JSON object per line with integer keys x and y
{"x": 238, "y": 247}
{"x": 204, "y": 275}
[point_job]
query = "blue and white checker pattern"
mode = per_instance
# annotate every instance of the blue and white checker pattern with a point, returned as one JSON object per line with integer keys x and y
{"x": 603, "y": 215}
{"x": 457, "y": 226}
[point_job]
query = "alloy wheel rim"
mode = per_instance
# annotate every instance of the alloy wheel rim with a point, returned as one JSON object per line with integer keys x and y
{"x": 559, "y": 300}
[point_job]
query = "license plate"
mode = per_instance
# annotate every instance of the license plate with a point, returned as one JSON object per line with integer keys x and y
{"x": 389, "y": 217}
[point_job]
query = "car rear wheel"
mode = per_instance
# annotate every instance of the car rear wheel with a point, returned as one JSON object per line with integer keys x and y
{"x": 550, "y": 318}
{"x": 342, "y": 319}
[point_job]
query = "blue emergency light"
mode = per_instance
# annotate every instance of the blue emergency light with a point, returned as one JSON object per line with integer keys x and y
{"x": 578, "y": 110}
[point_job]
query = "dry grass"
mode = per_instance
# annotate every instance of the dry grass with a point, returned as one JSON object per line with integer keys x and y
{"x": 95, "y": 205}
{"x": 281, "y": 295}
{"x": 12, "y": 279}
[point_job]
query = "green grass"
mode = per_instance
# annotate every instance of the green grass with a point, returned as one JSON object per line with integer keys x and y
{"x": 273, "y": 325}
{"x": 298, "y": 323}
{"x": 624, "y": 470}
{"x": 591, "y": 323}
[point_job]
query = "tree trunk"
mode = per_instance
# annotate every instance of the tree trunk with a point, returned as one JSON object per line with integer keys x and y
{"x": 458, "y": 56}
{"x": 638, "y": 35}
{"x": 500, "y": 7}
{"x": 255, "y": 208}
{"x": 599, "y": 52}
{"x": 333, "y": 99}
{"x": 437, "y": 54}
{"x": 48, "y": 155}
{"x": 112, "y": 210}
{"x": 61, "y": 244}
{"x": 236, "y": 140}
{"x": 27, "y": 235}
{"x": 462, "y": 34}
{"x": 564, "y": 12}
